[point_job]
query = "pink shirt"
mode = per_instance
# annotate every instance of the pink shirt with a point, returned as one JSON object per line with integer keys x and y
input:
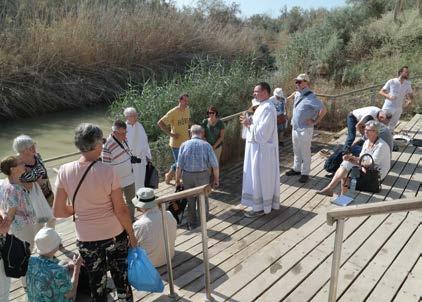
{"x": 94, "y": 216}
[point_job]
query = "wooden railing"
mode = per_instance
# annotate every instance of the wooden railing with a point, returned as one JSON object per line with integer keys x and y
{"x": 338, "y": 215}
{"x": 202, "y": 192}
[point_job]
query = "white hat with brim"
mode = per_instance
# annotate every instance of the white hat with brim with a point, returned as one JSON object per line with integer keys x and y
{"x": 279, "y": 92}
{"x": 46, "y": 241}
{"x": 302, "y": 77}
{"x": 144, "y": 199}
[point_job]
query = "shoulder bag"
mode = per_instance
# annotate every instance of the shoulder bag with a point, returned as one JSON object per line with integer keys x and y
{"x": 370, "y": 179}
{"x": 79, "y": 185}
{"x": 15, "y": 254}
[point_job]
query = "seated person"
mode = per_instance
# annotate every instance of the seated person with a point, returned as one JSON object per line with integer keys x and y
{"x": 149, "y": 227}
{"x": 48, "y": 279}
{"x": 375, "y": 146}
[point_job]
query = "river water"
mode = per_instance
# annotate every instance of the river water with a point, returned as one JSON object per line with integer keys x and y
{"x": 53, "y": 132}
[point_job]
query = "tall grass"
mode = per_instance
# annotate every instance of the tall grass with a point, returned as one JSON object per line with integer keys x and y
{"x": 228, "y": 87}
{"x": 55, "y": 56}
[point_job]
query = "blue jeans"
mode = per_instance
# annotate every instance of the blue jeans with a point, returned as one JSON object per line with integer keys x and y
{"x": 351, "y": 129}
{"x": 175, "y": 152}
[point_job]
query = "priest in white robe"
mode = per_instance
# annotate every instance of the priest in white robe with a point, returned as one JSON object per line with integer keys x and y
{"x": 261, "y": 172}
{"x": 138, "y": 144}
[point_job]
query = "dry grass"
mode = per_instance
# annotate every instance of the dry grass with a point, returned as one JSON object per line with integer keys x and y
{"x": 89, "y": 53}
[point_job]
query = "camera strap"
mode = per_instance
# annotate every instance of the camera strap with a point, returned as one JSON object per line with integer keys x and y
{"x": 302, "y": 97}
{"x": 123, "y": 147}
{"x": 79, "y": 185}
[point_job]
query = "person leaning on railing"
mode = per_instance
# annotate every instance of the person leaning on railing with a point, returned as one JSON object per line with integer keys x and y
{"x": 102, "y": 221}
{"x": 375, "y": 146}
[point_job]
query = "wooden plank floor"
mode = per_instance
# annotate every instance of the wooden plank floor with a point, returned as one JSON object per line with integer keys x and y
{"x": 286, "y": 255}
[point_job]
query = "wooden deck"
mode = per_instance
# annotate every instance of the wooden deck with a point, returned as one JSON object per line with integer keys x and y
{"x": 286, "y": 255}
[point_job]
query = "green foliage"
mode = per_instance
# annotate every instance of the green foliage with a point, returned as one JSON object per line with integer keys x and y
{"x": 228, "y": 87}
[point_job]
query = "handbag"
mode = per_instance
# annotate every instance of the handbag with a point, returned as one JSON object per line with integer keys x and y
{"x": 151, "y": 177}
{"x": 42, "y": 209}
{"x": 370, "y": 179}
{"x": 142, "y": 274}
{"x": 15, "y": 254}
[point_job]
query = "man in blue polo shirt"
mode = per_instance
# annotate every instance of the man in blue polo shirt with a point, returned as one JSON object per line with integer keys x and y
{"x": 308, "y": 111}
{"x": 196, "y": 158}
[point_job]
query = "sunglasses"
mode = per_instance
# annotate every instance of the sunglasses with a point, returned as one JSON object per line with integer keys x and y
{"x": 210, "y": 112}
{"x": 298, "y": 82}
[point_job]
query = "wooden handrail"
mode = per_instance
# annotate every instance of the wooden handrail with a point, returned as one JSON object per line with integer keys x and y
{"x": 384, "y": 207}
{"x": 204, "y": 189}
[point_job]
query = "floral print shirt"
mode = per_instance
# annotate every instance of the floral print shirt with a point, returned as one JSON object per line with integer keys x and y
{"x": 47, "y": 280}
{"x": 16, "y": 196}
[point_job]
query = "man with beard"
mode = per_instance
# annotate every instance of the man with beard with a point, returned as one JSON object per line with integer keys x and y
{"x": 395, "y": 91}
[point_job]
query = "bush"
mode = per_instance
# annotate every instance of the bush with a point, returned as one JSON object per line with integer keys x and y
{"x": 228, "y": 87}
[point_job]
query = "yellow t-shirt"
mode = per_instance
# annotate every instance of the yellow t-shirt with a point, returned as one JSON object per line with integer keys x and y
{"x": 178, "y": 121}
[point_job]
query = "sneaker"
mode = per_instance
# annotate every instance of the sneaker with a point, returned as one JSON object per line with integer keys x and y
{"x": 292, "y": 172}
{"x": 304, "y": 178}
{"x": 253, "y": 214}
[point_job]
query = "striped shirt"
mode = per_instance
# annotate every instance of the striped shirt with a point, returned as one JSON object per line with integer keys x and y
{"x": 196, "y": 155}
{"x": 119, "y": 158}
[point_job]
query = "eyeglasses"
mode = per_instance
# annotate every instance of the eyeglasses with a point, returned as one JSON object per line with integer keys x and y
{"x": 369, "y": 130}
{"x": 210, "y": 112}
{"x": 298, "y": 82}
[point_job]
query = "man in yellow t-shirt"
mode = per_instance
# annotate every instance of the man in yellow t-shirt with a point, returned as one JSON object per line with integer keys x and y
{"x": 177, "y": 119}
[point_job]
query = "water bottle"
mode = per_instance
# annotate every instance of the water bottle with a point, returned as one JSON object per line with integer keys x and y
{"x": 353, "y": 184}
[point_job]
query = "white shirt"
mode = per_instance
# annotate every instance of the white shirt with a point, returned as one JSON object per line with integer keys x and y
{"x": 398, "y": 90}
{"x": 149, "y": 233}
{"x": 381, "y": 155}
{"x": 362, "y": 112}
{"x": 138, "y": 140}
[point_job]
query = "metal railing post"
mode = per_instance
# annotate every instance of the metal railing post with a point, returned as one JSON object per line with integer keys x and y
{"x": 336, "y": 260}
{"x": 202, "y": 212}
{"x": 373, "y": 96}
{"x": 168, "y": 254}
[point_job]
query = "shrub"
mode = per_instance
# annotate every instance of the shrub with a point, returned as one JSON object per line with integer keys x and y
{"x": 228, "y": 87}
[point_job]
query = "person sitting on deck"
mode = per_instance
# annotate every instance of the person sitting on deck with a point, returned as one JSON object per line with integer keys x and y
{"x": 375, "y": 146}
{"x": 47, "y": 278}
{"x": 149, "y": 227}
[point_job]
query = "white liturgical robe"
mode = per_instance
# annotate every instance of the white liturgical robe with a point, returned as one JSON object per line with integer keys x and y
{"x": 261, "y": 172}
{"x": 138, "y": 144}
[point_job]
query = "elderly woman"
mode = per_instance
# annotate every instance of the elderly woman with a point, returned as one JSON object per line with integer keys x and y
{"x": 138, "y": 143}
{"x": 102, "y": 221}
{"x": 374, "y": 146}
{"x": 15, "y": 205}
{"x": 35, "y": 170}
{"x": 214, "y": 131}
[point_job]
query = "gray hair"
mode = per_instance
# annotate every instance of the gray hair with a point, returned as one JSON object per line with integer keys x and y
{"x": 374, "y": 125}
{"x": 129, "y": 111}
{"x": 87, "y": 137}
{"x": 22, "y": 142}
{"x": 196, "y": 129}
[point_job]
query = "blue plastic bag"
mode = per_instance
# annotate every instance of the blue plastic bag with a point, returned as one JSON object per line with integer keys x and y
{"x": 142, "y": 274}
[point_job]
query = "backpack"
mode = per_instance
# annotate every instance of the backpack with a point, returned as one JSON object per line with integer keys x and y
{"x": 15, "y": 254}
{"x": 334, "y": 161}
{"x": 177, "y": 207}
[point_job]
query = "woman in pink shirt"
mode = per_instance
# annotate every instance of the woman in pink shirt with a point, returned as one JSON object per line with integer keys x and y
{"x": 102, "y": 221}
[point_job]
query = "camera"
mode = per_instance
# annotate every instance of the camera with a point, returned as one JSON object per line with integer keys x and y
{"x": 135, "y": 160}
